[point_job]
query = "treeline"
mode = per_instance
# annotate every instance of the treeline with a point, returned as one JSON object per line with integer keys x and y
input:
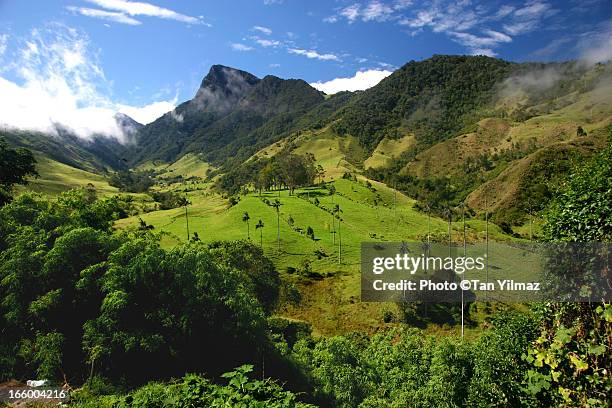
{"x": 284, "y": 170}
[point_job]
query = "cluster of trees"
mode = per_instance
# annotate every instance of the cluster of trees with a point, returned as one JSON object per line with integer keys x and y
{"x": 77, "y": 299}
{"x": 288, "y": 171}
{"x": 404, "y": 368}
{"x": 241, "y": 390}
{"x": 169, "y": 199}
{"x": 284, "y": 170}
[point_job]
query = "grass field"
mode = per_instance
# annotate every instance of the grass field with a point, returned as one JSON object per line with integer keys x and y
{"x": 55, "y": 177}
{"x": 387, "y": 150}
{"x": 331, "y": 304}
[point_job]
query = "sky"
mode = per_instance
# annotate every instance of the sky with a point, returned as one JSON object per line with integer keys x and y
{"x": 78, "y": 62}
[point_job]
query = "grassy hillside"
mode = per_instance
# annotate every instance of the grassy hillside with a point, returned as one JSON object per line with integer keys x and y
{"x": 387, "y": 150}
{"x": 56, "y": 177}
{"x": 330, "y": 295}
{"x": 516, "y": 159}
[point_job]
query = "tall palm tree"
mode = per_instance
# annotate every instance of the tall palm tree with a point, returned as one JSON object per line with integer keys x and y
{"x": 259, "y": 226}
{"x": 185, "y": 202}
{"x": 246, "y": 218}
{"x": 276, "y": 204}
{"x": 332, "y": 191}
{"x": 337, "y": 212}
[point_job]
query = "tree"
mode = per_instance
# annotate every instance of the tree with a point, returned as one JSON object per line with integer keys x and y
{"x": 246, "y": 218}
{"x": 337, "y": 212}
{"x": 259, "y": 226}
{"x": 310, "y": 233}
{"x": 184, "y": 203}
{"x": 16, "y": 165}
{"x": 320, "y": 173}
{"x": 276, "y": 204}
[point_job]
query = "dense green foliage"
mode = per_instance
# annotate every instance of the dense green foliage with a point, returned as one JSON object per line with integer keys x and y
{"x": 282, "y": 170}
{"x": 77, "y": 298}
{"x": 405, "y": 368}
{"x": 571, "y": 358}
{"x": 196, "y": 391}
{"x": 15, "y": 166}
{"x": 582, "y": 210}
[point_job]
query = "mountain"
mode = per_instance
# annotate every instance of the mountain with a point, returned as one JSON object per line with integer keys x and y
{"x": 232, "y": 115}
{"x": 433, "y": 99}
{"x": 98, "y": 154}
{"x": 128, "y": 126}
{"x": 166, "y": 138}
{"x": 448, "y": 129}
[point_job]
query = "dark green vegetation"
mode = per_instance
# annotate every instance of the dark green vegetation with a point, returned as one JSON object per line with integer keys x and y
{"x": 15, "y": 166}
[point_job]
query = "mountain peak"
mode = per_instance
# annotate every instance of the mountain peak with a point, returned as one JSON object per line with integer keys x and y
{"x": 222, "y": 88}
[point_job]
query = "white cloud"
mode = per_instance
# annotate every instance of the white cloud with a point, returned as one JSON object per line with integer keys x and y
{"x": 61, "y": 84}
{"x": 114, "y": 16}
{"x": 263, "y": 29}
{"x": 483, "y": 51}
{"x": 528, "y": 18}
{"x": 423, "y": 18}
{"x": 503, "y": 11}
{"x": 313, "y": 54}
{"x": 137, "y": 8}
{"x": 360, "y": 81}
{"x": 3, "y": 43}
{"x": 148, "y": 113}
{"x": 240, "y": 47}
{"x": 266, "y": 43}
{"x": 521, "y": 27}
{"x": 377, "y": 11}
{"x": 459, "y": 20}
{"x": 596, "y": 46}
{"x": 374, "y": 10}
{"x": 271, "y": 2}
{"x": 474, "y": 42}
{"x": 330, "y": 19}
{"x": 533, "y": 10}
{"x": 351, "y": 13}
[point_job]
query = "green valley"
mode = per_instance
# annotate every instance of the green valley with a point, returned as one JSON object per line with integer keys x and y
{"x": 213, "y": 256}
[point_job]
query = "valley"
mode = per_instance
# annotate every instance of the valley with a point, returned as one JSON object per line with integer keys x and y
{"x": 226, "y": 235}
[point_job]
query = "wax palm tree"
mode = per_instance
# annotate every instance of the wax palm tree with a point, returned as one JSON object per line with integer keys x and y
{"x": 337, "y": 212}
{"x": 259, "y": 226}
{"x": 332, "y": 191}
{"x": 276, "y": 204}
{"x": 183, "y": 201}
{"x": 246, "y": 218}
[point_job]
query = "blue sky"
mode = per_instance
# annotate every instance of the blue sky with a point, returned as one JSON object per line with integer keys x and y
{"x": 145, "y": 57}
